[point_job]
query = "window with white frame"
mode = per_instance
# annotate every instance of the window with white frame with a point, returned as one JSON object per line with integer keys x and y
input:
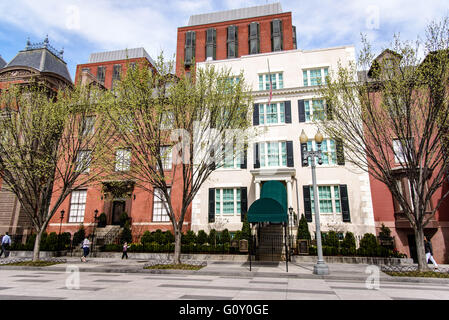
{"x": 315, "y": 77}
{"x": 231, "y": 158}
{"x": 400, "y": 150}
{"x": 122, "y": 160}
{"x": 83, "y": 161}
{"x": 227, "y": 201}
{"x": 77, "y": 206}
{"x": 166, "y": 157}
{"x": 276, "y": 80}
{"x": 328, "y": 199}
{"x": 88, "y": 124}
{"x": 160, "y": 213}
{"x": 314, "y": 110}
{"x": 273, "y": 154}
{"x": 328, "y": 149}
{"x": 273, "y": 113}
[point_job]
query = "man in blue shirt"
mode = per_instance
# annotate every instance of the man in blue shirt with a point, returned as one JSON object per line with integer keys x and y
{"x": 6, "y": 242}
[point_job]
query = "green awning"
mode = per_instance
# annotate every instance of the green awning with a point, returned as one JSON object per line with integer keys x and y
{"x": 272, "y": 205}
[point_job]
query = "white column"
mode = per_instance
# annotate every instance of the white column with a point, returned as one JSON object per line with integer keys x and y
{"x": 289, "y": 194}
{"x": 257, "y": 190}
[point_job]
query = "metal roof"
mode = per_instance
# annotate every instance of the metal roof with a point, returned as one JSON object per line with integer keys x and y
{"x": 120, "y": 55}
{"x": 235, "y": 14}
{"x": 42, "y": 60}
{"x": 2, "y": 62}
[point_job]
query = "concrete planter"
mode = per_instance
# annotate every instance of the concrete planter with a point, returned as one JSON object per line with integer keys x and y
{"x": 42, "y": 254}
{"x": 164, "y": 256}
{"x": 355, "y": 260}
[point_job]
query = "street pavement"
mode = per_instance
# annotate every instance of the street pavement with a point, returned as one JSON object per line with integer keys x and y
{"x": 106, "y": 279}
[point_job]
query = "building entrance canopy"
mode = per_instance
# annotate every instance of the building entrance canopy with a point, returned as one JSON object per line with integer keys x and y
{"x": 272, "y": 205}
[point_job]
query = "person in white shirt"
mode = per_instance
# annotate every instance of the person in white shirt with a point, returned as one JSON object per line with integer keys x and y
{"x": 86, "y": 244}
{"x": 6, "y": 242}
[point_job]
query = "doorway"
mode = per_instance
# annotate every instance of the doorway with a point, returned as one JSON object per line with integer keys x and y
{"x": 118, "y": 207}
{"x": 412, "y": 247}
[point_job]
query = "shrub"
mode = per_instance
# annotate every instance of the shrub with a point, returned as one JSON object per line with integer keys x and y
{"x": 246, "y": 230}
{"x": 102, "y": 220}
{"x": 212, "y": 237}
{"x": 368, "y": 245}
{"x": 79, "y": 236}
{"x": 158, "y": 236}
{"x": 237, "y": 235}
{"x": 64, "y": 240}
{"x": 168, "y": 237}
{"x": 123, "y": 219}
{"x": 51, "y": 242}
{"x": 225, "y": 237}
{"x": 349, "y": 241}
{"x": 188, "y": 238}
{"x": 201, "y": 238}
{"x": 303, "y": 229}
{"x": 29, "y": 245}
{"x": 147, "y": 237}
{"x": 331, "y": 240}
{"x": 126, "y": 235}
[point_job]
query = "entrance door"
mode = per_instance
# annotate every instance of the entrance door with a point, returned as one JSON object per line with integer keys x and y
{"x": 412, "y": 247}
{"x": 118, "y": 207}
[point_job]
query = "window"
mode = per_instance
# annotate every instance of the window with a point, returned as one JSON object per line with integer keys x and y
{"x": 232, "y": 42}
{"x": 227, "y": 201}
{"x": 273, "y": 154}
{"x": 77, "y": 206}
{"x": 122, "y": 160}
{"x": 276, "y": 80}
{"x": 88, "y": 124}
{"x": 315, "y": 77}
{"x": 276, "y": 35}
{"x": 116, "y": 74}
{"x": 254, "y": 41}
{"x": 314, "y": 110}
{"x": 273, "y": 113}
{"x": 211, "y": 35}
{"x": 83, "y": 160}
{"x": 166, "y": 157}
{"x": 400, "y": 150}
{"x": 101, "y": 71}
{"x": 328, "y": 148}
{"x": 189, "y": 48}
{"x": 328, "y": 199}
{"x": 231, "y": 159}
{"x": 167, "y": 120}
{"x": 160, "y": 213}
{"x": 295, "y": 46}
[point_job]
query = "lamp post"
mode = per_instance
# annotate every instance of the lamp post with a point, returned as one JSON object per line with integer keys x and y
{"x": 60, "y": 226}
{"x": 93, "y": 233}
{"x": 290, "y": 210}
{"x": 320, "y": 267}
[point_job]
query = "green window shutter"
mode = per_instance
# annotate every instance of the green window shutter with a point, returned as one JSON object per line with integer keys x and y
{"x": 256, "y": 156}
{"x": 256, "y": 114}
{"x": 344, "y": 203}
{"x": 288, "y": 112}
{"x": 307, "y": 203}
{"x": 211, "y": 205}
{"x": 243, "y": 203}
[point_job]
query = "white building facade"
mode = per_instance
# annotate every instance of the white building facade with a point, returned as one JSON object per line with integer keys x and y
{"x": 275, "y": 154}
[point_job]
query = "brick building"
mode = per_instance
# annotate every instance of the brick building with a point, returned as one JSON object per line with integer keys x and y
{"x": 234, "y": 33}
{"x": 146, "y": 212}
{"x": 387, "y": 210}
{"x": 41, "y": 63}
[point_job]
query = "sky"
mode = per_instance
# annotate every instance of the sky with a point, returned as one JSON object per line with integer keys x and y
{"x": 82, "y": 27}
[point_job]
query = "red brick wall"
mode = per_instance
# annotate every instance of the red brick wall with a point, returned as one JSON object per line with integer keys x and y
{"x": 243, "y": 47}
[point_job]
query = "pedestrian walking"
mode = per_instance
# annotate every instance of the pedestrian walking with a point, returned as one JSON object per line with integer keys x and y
{"x": 125, "y": 250}
{"x": 6, "y": 242}
{"x": 85, "y": 246}
{"x": 429, "y": 252}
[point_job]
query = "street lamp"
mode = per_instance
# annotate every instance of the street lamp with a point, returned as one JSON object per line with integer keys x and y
{"x": 320, "y": 267}
{"x": 93, "y": 233}
{"x": 60, "y": 226}
{"x": 290, "y": 210}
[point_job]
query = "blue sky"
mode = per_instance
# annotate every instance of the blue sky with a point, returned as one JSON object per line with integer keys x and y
{"x": 85, "y": 26}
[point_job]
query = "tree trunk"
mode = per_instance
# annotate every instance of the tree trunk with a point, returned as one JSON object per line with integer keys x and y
{"x": 37, "y": 245}
{"x": 421, "y": 254}
{"x": 177, "y": 254}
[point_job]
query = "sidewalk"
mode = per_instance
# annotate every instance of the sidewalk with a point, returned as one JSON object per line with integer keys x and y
{"x": 337, "y": 271}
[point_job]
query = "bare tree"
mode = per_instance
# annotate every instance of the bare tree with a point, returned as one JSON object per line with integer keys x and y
{"x": 48, "y": 145}
{"x": 178, "y": 130}
{"x": 393, "y": 121}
